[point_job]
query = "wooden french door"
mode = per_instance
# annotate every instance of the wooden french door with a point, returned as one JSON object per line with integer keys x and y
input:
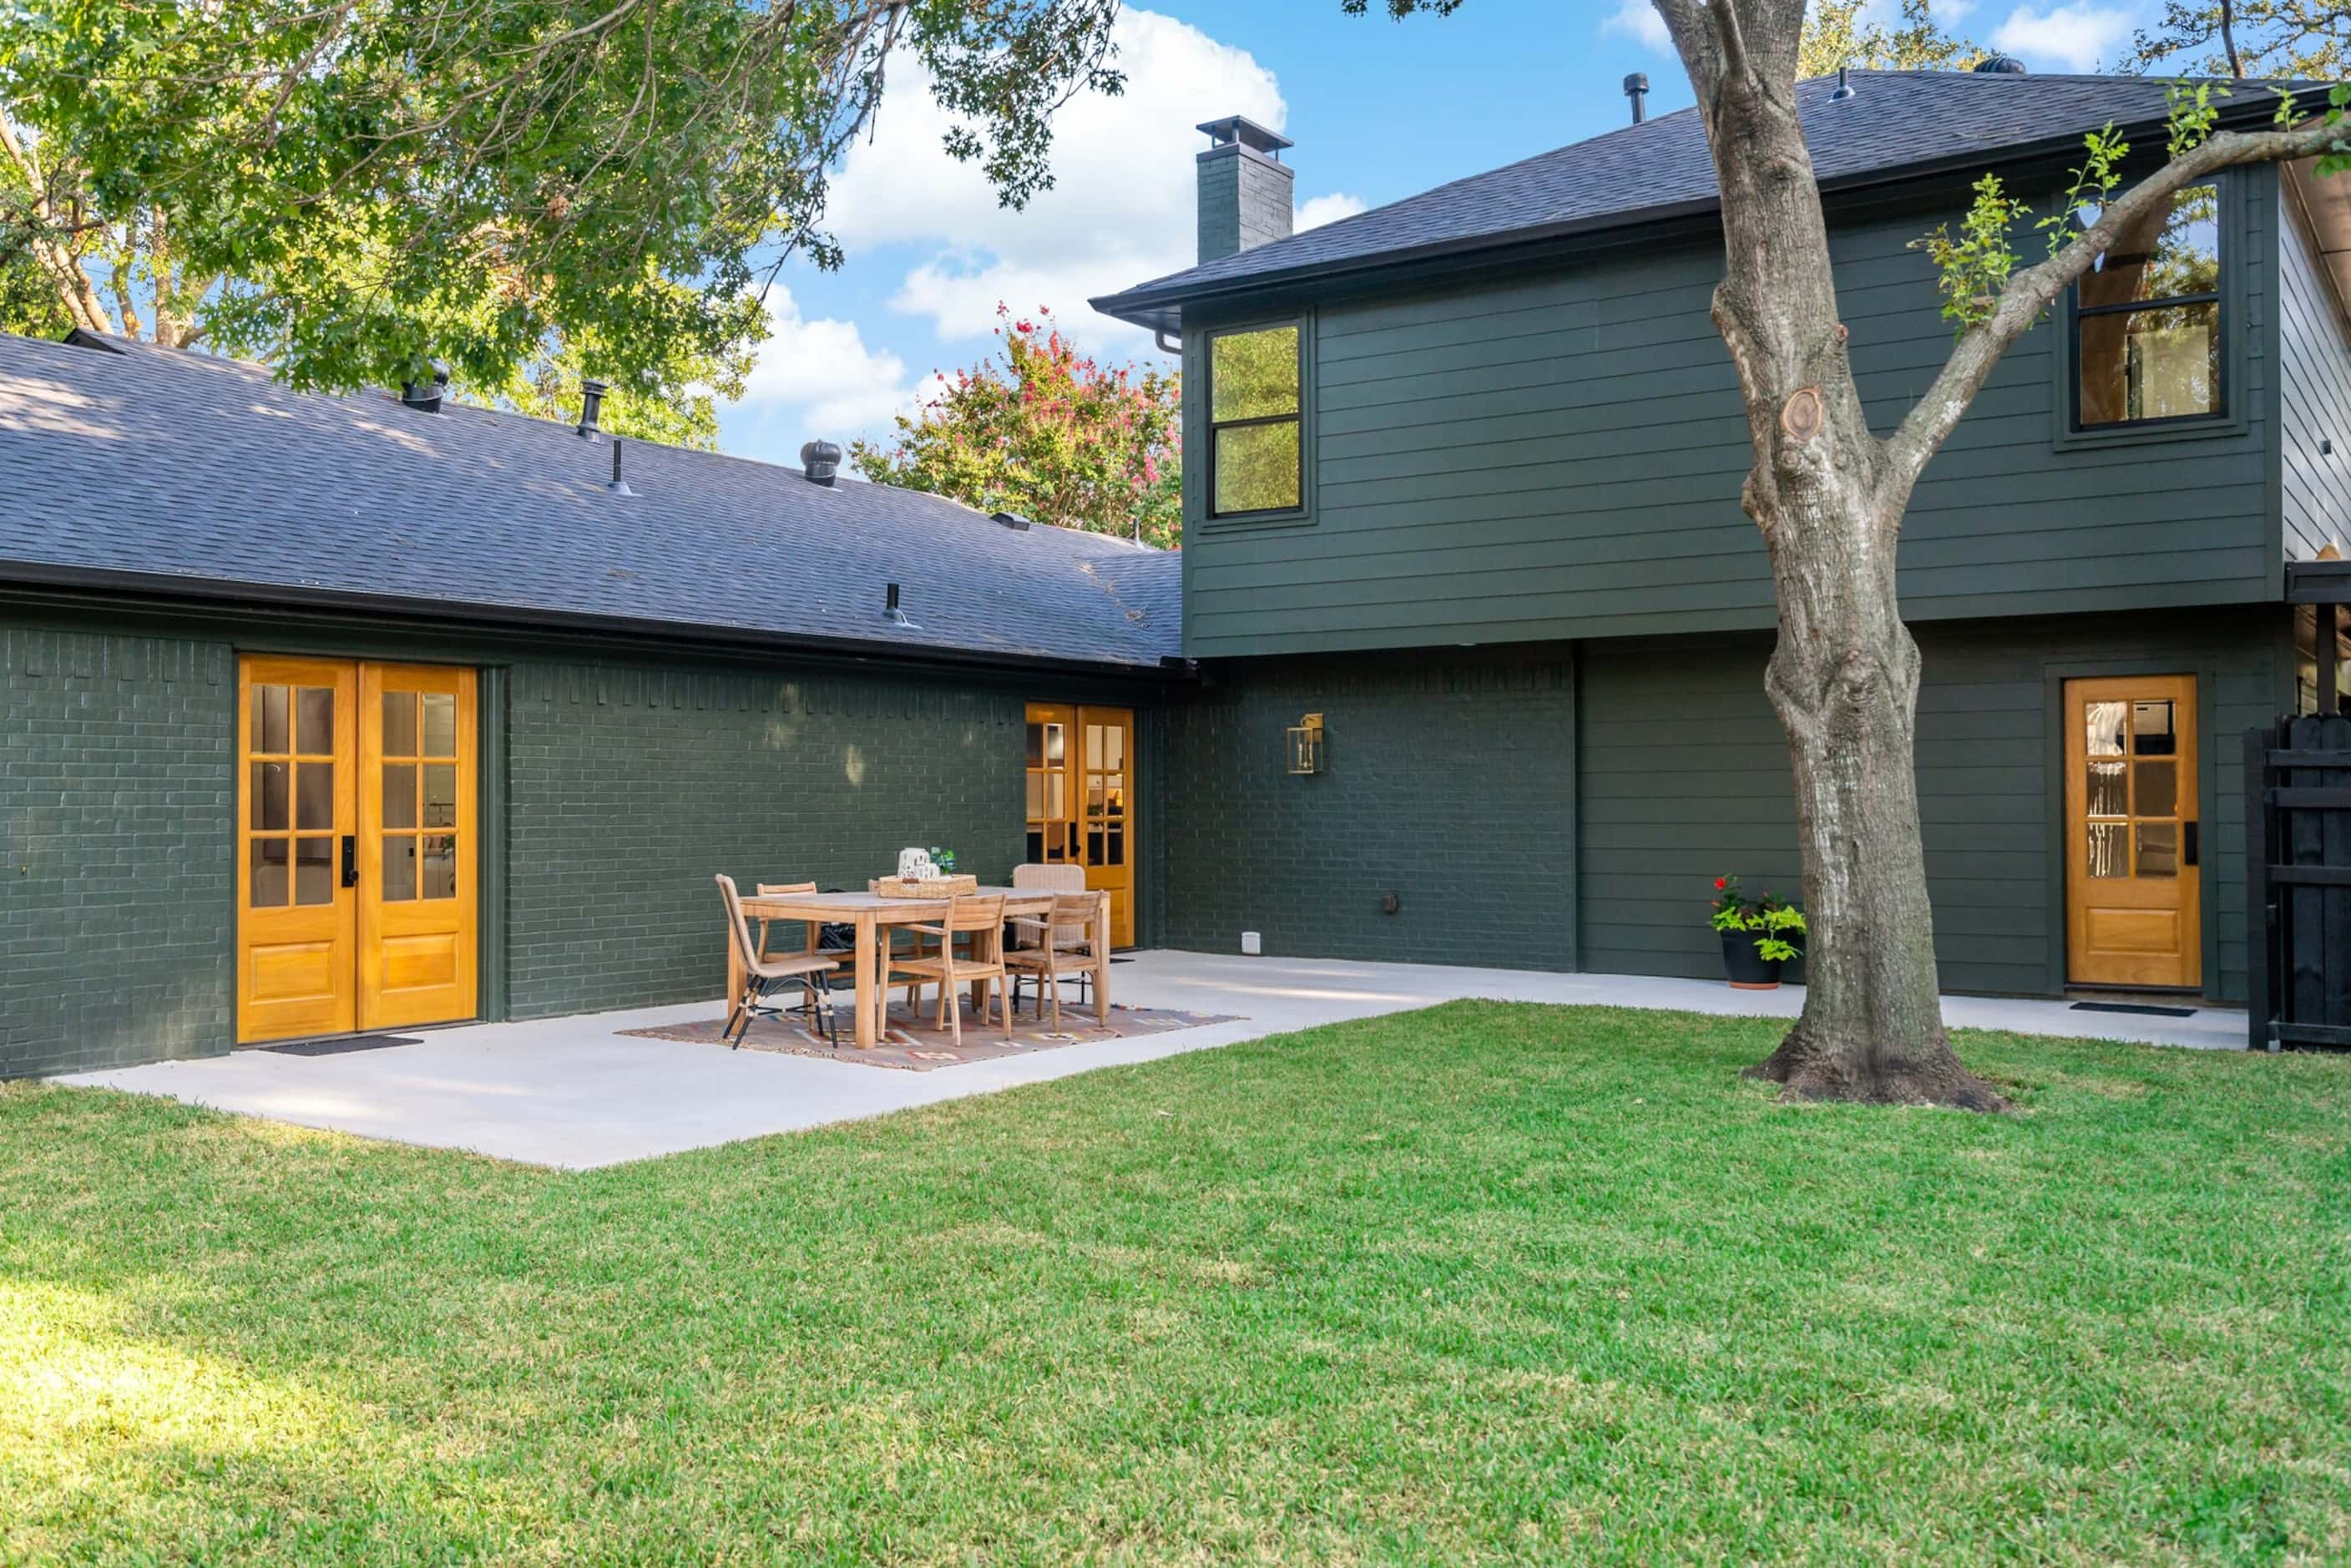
{"x": 1080, "y": 774}
{"x": 357, "y": 847}
{"x": 2134, "y": 896}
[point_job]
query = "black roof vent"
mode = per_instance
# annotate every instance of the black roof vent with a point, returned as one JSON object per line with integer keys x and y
{"x": 1844, "y": 86}
{"x": 1636, "y": 88}
{"x": 892, "y": 612}
{"x": 618, "y": 487}
{"x": 820, "y": 461}
{"x": 591, "y": 403}
{"x": 1013, "y": 521}
{"x": 1999, "y": 66}
{"x": 425, "y": 397}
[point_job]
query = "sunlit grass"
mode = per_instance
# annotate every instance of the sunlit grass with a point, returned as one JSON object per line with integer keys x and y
{"x": 1491, "y": 1280}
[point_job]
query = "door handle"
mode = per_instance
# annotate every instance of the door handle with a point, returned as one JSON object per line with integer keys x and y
{"x": 2187, "y": 843}
{"x": 351, "y": 860}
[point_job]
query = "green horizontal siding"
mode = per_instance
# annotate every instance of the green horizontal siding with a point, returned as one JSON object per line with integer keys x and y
{"x": 1686, "y": 778}
{"x": 1559, "y": 455}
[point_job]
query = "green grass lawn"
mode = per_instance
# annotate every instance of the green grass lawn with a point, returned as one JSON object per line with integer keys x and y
{"x": 1489, "y": 1280}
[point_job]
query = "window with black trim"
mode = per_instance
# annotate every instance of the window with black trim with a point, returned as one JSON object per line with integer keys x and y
{"x": 2146, "y": 320}
{"x": 1254, "y": 453}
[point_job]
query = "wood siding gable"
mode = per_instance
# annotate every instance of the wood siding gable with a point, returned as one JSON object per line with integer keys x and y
{"x": 1558, "y": 453}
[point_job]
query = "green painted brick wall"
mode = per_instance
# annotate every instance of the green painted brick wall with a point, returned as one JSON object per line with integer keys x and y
{"x": 117, "y": 787}
{"x": 1450, "y": 783}
{"x": 629, "y": 787}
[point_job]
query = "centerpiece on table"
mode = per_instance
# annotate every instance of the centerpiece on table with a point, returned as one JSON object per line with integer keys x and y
{"x": 1758, "y": 936}
{"x": 924, "y": 874}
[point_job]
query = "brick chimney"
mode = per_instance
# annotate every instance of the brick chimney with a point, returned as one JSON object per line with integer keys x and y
{"x": 1244, "y": 187}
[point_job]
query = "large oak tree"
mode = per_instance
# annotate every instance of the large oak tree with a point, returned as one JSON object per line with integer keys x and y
{"x": 1828, "y": 495}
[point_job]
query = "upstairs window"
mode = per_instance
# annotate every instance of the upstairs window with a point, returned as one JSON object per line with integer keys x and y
{"x": 1254, "y": 460}
{"x": 2146, "y": 320}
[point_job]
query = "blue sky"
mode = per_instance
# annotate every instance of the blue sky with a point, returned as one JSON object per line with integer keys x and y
{"x": 1379, "y": 111}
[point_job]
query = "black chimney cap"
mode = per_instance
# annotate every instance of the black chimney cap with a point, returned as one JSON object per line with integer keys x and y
{"x": 424, "y": 397}
{"x": 1999, "y": 66}
{"x": 820, "y": 461}
{"x": 592, "y": 403}
{"x": 1247, "y": 132}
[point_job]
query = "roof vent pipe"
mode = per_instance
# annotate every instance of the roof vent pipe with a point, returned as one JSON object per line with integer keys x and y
{"x": 892, "y": 614}
{"x": 820, "y": 461}
{"x": 618, "y": 487}
{"x": 424, "y": 397}
{"x": 1636, "y": 88}
{"x": 592, "y": 403}
{"x": 1999, "y": 66}
{"x": 1843, "y": 87}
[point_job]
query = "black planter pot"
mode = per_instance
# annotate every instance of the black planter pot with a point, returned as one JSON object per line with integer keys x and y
{"x": 1747, "y": 969}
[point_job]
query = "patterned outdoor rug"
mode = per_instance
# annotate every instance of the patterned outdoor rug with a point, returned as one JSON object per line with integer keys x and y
{"x": 914, "y": 1045}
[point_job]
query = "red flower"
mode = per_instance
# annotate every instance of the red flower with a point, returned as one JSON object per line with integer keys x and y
{"x": 1720, "y": 882}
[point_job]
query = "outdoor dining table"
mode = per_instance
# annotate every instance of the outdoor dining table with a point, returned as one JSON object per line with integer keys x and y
{"x": 872, "y": 916}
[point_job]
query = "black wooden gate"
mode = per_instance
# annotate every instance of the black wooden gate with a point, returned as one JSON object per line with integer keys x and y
{"x": 2298, "y": 875}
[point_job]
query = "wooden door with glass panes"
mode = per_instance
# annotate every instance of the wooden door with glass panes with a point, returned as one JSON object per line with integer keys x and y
{"x": 1080, "y": 792}
{"x": 297, "y": 955}
{"x": 417, "y": 845}
{"x": 355, "y": 824}
{"x": 2133, "y": 891}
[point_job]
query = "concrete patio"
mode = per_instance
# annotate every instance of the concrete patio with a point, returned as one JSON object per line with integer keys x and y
{"x": 575, "y": 1092}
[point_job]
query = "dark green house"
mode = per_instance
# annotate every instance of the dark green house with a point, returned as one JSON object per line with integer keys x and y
{"x": 1463, "y": 480}
{"x": 329, "y": 714}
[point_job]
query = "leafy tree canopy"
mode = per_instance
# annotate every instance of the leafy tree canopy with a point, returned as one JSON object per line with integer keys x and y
{"x": 1049, "y": 433}
{"x": 1846, "y": 33}
{"x": 529, "y": 189}
{"x": 2286, "y": 40}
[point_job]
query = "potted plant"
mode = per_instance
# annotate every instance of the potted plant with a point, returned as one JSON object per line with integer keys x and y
{"x": 1758, "y": 936}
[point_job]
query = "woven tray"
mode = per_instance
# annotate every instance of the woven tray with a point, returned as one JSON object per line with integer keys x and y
{"x": 938, "y": 887}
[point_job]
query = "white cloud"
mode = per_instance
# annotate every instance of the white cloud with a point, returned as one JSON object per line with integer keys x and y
{"x": 825, "y": 368}
{"x": 1316, "y": 211}
{"x": 1638, "y": 20}
{"x": 1120, "y": 211}
{"x": 2076, "y": 37}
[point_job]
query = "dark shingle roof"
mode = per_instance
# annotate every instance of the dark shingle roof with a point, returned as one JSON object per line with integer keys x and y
{"x": 1897, "y": 121}
{"x": 204, "y": 475}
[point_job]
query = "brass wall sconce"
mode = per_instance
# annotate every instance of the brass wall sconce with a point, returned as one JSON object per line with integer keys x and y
{"x": 1306, "y": 749}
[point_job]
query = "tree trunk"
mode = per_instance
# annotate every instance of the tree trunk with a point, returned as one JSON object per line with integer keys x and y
{"x": 1845, "y": 675}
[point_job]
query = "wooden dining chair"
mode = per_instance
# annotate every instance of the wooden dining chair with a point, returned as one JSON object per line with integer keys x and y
{"x": 1062, "y": 941}
{"x": 982, "y": 920}
{"x": 763, "y": 974}
{"x": 785, "y": 889}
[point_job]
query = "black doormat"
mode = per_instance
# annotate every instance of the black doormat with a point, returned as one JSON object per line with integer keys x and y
{"x": 2134, "y": 1008}
{"x": 341, "y": 1044}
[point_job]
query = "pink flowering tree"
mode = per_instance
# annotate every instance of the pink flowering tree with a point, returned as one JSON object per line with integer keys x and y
{"x": 1045, "y": 430}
